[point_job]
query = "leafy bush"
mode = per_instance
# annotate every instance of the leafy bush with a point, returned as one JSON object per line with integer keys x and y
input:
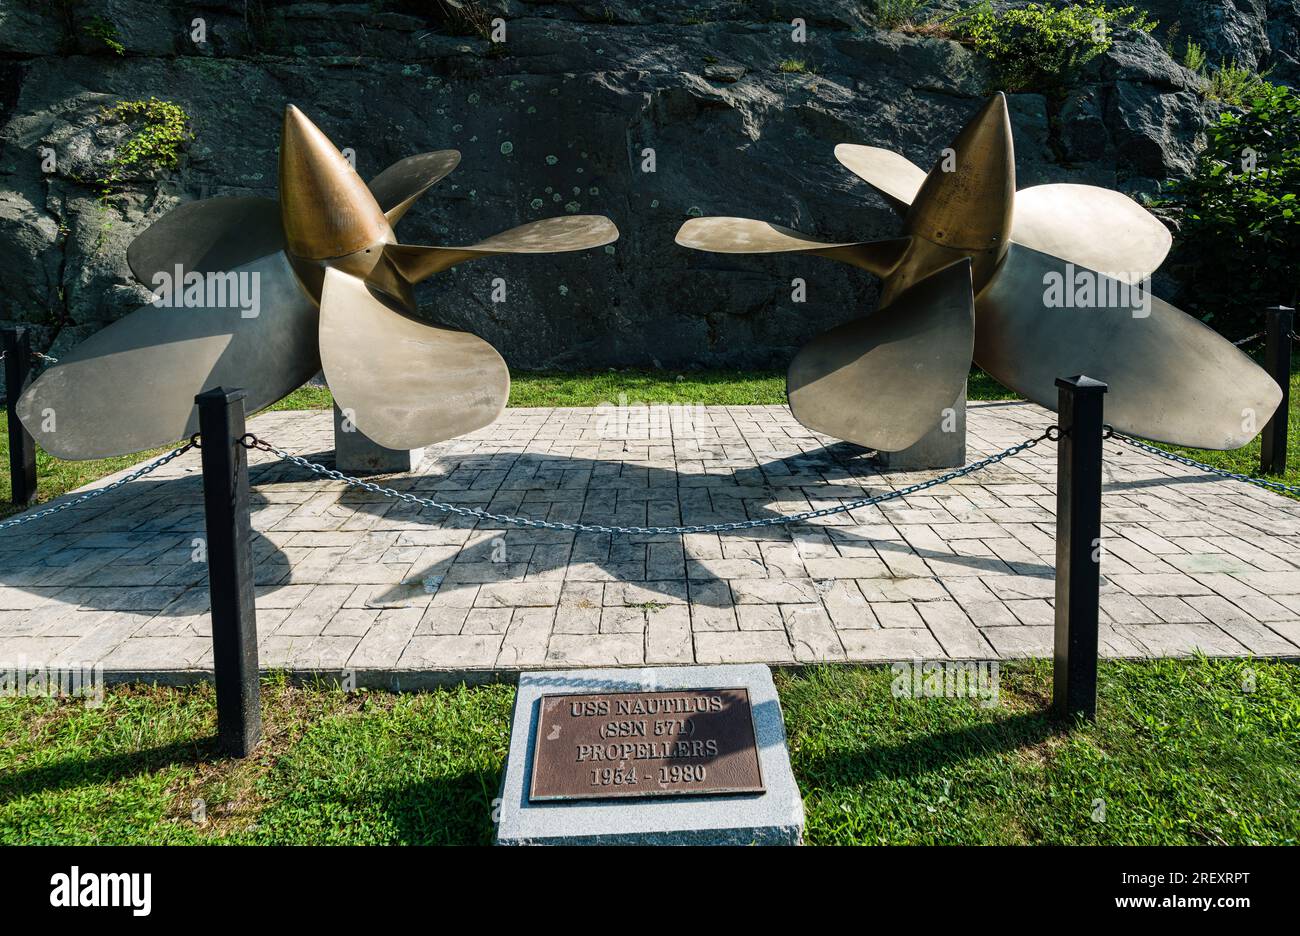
{"x": 163, "y": 130}
{"x": 99, "y": 28}
{"x": 1239, "y": 217}
{"x": 1039, "y": 47}
{"x": 160, "y": 130}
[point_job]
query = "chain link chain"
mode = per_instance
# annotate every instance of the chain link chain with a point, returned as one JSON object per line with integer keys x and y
{"x": 1292, "y": 335}
{"x": 1192, "y": 463}
{"x": 251, "y": 441}
{"x": 133, "y": 476}
{"x": 36, "y": 355}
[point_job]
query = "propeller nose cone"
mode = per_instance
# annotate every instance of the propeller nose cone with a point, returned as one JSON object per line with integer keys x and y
{"x": 326, "y": 208}
{"x": 966, "y": 201}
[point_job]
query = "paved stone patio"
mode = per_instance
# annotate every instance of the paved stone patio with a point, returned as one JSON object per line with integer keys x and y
{"x": 407, "y": 596}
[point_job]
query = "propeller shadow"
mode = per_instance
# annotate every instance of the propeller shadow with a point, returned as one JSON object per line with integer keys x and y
{"x": 351, "y": 538}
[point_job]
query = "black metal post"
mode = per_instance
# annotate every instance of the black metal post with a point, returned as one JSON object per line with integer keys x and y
{"x": 1279, "y": 322}
{"x": 230, "y": 570}
{"x": 1078, "y": 545}
{"x": 22, "y": 447}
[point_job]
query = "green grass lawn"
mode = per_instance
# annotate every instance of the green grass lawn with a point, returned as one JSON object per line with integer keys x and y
{"x": 1180, "y": 754}
{"x": 592, "y": 388}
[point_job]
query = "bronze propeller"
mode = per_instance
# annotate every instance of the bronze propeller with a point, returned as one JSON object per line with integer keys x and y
{"x": 335, "y": 292}
{"x": 978, "y": 273}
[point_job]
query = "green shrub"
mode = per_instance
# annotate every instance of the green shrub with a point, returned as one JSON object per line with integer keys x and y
{"x": 163, "y": 128}
{"x": 1194, "y": 58}
{"x": 1038, "y": 47}
{"x": 99, "y": 28}
{"x": 1239, "y": 218}
{"x": 1235, "y": 85}
{"x": 1230, "y": 83}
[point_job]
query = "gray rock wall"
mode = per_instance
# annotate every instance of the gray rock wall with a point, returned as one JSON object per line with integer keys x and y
{"x": 556, "y": 120}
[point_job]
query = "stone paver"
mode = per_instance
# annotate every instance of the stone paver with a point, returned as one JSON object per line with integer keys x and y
{"x": 395, "y": 592}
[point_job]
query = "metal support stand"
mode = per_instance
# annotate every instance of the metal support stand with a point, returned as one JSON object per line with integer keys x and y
{"x": 356, "y": 453}
{"x": 1078, "y": 545}
{"x": 22, "y": 447}
{"x": 944, "y": 446}
{"x": 1279, "y": 322}
{"x": 230, "y": 570}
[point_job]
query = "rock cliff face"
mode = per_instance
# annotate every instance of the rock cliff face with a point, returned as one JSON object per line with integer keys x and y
{"x": 557, "y": 119}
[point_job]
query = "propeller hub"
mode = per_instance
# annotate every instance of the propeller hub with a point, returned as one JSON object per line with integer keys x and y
{"x": 325, "y": 207}
{"x": 967, "y": 201}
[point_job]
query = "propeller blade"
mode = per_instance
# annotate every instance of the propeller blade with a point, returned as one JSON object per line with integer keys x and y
{"x": 397, "y": 187}
{"x": 1093, "y": 227}
{"x": 403, "y": 383}
{"x": 888, "y": 172}
{"x": 747, "y": 236}
{"x": 883, "y": 381}
{"x": 551, "y": 235}
{"x": 1171, "y": 378}
{"x": 205, "y": 236}
{"x": 131, "y": 386}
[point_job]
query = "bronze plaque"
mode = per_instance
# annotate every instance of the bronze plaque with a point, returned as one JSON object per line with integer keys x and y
{"x": 675, "y": 742}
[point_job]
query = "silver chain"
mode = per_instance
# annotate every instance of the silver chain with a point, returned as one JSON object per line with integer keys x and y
{"x": 37, "y": 355}
{"x": 252, "y": 441}
{"x": 1292, "y": 335}
{"x": 1192, "y": 463}
{"x": 68, "y": 505}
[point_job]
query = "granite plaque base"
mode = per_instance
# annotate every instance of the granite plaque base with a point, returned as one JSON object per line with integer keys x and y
{"x": 944, "y": 446}
{"x": 773, "y": 817}
{"x": 356, "y": 453}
